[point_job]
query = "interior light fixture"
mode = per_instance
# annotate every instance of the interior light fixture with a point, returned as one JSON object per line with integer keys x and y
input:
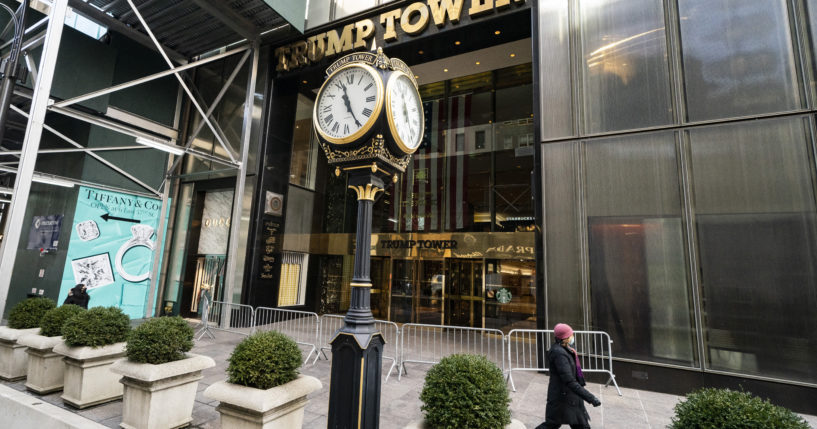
{"x": 420, "y": 52}
{"x": 513, "y": 55}
{"x": 52, "y": 180}
{"x": 175, "y": 150}
{"x": 497, "y": 32}
{"x": 445, "y": 70}
{"x": 457, "y": 42}
{"x": 477, "y": 62}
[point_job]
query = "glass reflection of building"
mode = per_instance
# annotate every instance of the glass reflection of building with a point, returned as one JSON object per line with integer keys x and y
{"x": 679, "y": 184}
{"x": 469, "y": 183}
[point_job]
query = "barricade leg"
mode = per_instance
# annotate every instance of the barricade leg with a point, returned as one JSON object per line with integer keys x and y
{"x": 391, "y": 368}
{"x": 613, "y": 380}
{"x": 510, "y": 378}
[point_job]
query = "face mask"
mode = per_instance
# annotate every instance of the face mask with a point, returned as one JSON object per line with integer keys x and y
{"x": 572, "y": 340}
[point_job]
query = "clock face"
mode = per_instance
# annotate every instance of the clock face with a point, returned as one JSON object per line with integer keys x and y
{"x": 405, "y": 112}
{"x": 348, "y": 104}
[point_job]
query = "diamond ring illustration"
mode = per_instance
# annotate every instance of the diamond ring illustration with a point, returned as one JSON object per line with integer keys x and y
{"x": 141, "y": 237}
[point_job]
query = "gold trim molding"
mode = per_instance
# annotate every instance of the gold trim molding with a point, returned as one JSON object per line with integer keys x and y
{"x": 355, "y": 284}
{"x": 366, "y": 192}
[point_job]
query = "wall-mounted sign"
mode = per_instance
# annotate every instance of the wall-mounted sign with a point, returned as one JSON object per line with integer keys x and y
{"x": 111, "y": 248}
{"x": 503, "y": 296}
{"x": 274, "y": 204}
{"x": 44, "y": 232}
{"x": 270, "y": 247}
{"x": 215, "y": 222}
{"x": 389, "y": 27}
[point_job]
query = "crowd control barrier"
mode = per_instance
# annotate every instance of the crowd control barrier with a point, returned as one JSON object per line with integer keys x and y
{"x": 428, "y": 344}
{"x": 330, "y": 323}
{"x": 225, "y": 316}
{"x": 301, "y": 326}
{"x": 527, "y": 346}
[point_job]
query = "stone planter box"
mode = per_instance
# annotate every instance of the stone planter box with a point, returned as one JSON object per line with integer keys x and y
{"x": 88, "y": 377}
{"x": 421, "y": 424}
{"x": 280, "y": 407}
{"x": 160, "y": 396}
{"x": 45, "y": 368}
{"x": 13, "y": 356}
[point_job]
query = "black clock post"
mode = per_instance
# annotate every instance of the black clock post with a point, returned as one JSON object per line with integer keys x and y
{"x": 369, "y": 152}
{"x": 357, "y": 349}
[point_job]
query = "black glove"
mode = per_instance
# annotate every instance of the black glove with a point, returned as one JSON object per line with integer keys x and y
{"x": 595, "y": 402}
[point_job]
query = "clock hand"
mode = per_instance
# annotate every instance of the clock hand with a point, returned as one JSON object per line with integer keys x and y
{"x": 349, "y": 105}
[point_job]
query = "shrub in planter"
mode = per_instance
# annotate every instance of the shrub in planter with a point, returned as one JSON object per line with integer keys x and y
{"x": 160, "y": 380}
{"x": 52, "y": 321}
{"x": 46, "y": 372}
{"x": 264, "y": 360}
{"x": 27, "y": 314}
{"x": 94, "y": 340}
{"x": 263, "y": 389}
{"x": 160, "y": 340}
{"x": 465, "y": 391}
{"x": 729, "y": 409}
{"x": 99, "y": 326}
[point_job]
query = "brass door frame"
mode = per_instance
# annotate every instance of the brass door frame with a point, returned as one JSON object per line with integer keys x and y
{"x": 480, "y": 293}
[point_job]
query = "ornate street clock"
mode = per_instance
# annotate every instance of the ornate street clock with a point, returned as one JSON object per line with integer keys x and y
{"x": 369, "y": 120}
{"x": 368, "y": 113}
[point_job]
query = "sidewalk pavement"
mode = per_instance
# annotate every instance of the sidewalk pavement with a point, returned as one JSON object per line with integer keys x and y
{"x": 400, "y": 403}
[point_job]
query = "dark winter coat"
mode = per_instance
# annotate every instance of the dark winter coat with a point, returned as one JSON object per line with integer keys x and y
{"x": 77, "y": 296}
{"x": 566, "y": 394}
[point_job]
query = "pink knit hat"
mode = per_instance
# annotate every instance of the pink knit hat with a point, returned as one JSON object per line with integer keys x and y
{"x": 562, "y": 331}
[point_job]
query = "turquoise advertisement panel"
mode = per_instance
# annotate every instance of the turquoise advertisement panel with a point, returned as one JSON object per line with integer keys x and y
{"x": 111, "y": 249}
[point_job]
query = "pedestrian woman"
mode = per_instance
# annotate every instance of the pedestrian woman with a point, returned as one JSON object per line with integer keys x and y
{"x": 78, "y": 296}
{"x": 566, "y": 392}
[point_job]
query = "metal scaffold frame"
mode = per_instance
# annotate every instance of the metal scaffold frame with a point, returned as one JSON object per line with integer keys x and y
{"x": 41, "y": 103}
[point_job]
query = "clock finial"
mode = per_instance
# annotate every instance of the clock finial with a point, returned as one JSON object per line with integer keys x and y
{"x": 382, "y": 61}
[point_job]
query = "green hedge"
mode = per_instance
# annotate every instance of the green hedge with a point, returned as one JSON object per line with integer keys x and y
{"x": 53, "y": 320}
{"x": 160, "y": 340}
{"x": 28, "y": 314}
{"x": 97, "y": 327}
{"x": 465, "y": 391}
{"x": 728, "y": 409}
{"x": 264, "y": 360}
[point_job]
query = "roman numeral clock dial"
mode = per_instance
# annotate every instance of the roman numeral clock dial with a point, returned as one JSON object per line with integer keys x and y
{"x": 348, "y": 104}
{"x": 404, "y": 111}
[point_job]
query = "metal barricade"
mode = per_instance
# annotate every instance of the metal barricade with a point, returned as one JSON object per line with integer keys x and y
{"x": 301, "y": 326}
{"x": 428, "y": 344}
{"x": 225, "y": 316}
{"x": 330, "y": 323}
{"x": 527, "y": 346}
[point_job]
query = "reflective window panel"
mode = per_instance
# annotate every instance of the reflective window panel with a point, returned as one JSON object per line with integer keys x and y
{"x": 757, "y": 238}
{"x": 639, "y": 286}
{"x": 737, "y": 58}
{"x": 624, "y": 60}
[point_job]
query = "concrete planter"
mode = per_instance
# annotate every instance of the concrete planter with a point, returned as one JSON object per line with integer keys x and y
{"x": 88, "y": 377}
{"x": 421, "y": 424}
{"x": 160, "y": 396}
{"x": 45, "y": 368}
{"x": 13, "y": 356}
{"x": 280, "y": 407}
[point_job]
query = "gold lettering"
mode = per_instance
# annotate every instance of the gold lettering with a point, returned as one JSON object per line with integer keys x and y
{"x": 281, "y": 58}
{"x": 207, "y": 223}
{"x": 298, "y": 54}
{"x": 441, "y": 8}
{"x": 422, "y": 22}
{"x": 387, "y": 19}
{"x": 501, "y": 4}
{"x": 315, "y": 47}
{"x": 364, "y": 30}
{"x": 481, "y": 7}
{"x": 337, "y": 45}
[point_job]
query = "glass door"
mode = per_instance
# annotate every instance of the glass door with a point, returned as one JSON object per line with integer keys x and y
{"x": 381, "y": 276}
{"x": 417, "y": 291}
{"x": 463, "y": 293}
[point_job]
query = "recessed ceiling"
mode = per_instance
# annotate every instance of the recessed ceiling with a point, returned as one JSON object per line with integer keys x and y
{"x": 492, "y": 58}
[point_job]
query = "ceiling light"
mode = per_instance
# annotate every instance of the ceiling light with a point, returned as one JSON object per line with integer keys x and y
{"x": 457, "y": 42}
{"x": 420, "y": 52}
{"x": 445, "y": 70}
{"x": 416, "y": 76}
{"x": 513, "y": 55}
{"x": 477, "y": 62}
{"x": 497, "y": 32}
{"x": 303, "y": 81}
{"x": 164, "y": 146}
{"x": 52, "y": 180}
